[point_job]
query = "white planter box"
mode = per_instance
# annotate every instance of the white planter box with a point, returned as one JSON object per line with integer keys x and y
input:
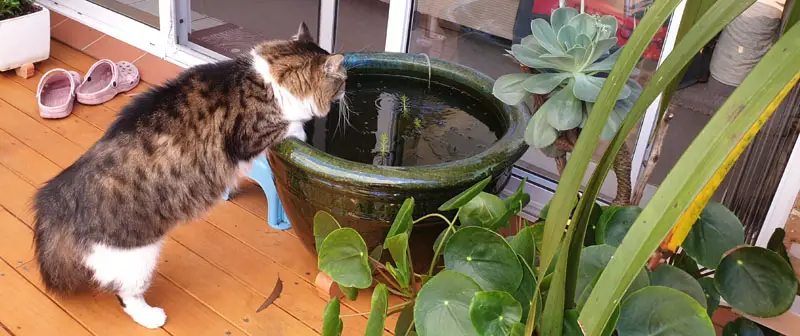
{"x": 25, "y": 39}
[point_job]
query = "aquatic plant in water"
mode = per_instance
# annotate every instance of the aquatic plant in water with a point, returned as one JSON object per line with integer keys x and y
{"x": 404, "y": 101}
{"x": 417, "y": 124}
{"x": 384, "y": 149}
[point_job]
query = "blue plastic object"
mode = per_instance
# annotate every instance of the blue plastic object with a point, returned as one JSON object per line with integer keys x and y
{"x": 261, "y": 173}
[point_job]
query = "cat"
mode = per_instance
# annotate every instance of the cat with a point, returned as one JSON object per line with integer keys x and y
{"x": 168, "y": 158}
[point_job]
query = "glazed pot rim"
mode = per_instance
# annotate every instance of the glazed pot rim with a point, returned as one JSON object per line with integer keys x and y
{"x": 490, "y": 162}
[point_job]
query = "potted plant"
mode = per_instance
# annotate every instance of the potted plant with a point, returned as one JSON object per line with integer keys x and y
{"x": 24, "y": 32}
{"x": 489, "y": 285}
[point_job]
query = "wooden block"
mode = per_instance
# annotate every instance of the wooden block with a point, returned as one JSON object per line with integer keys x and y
{"x": 326, "y": 288}
{"x": 26, "y": 70}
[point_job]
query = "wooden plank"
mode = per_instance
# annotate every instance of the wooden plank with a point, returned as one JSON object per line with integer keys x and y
{"x": 24, "y": 161}
{"x": 225, "y": 294}
{"x": 75, "y": 129}
{"x": 16, "y": 240}
{"x": 42, "y": 139}
{"x": 27, "y": 311}
{"x": 281, "y": 247}
{"x": 260, "y": 273}
{"x": 18, "y": 196}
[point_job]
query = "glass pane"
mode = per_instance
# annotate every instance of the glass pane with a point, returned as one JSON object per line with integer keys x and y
{"x": 234, "y": 27}
{"x": 361, "y": 25}
{"x": 477, "y": 34}
{"x": 144, "y": 11}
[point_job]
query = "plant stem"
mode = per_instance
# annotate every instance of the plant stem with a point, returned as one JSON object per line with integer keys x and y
{"x": 398, "y": 293}
{"x": 388, "y": 278}
{"x": 655, "y": 154}
{"x": 444, "y": 238}
{"x": 431, "y": 216}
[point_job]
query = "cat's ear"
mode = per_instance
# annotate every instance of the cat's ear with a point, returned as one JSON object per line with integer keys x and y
{"x": 303, "y": 34}
{"x": 334, "y": 63}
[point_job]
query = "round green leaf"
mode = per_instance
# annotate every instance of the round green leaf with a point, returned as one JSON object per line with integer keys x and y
{"x": 563, "y": 111}
{"x": 670, "y": 276}
{"x": 331, "y": 322}
{"x": 712, "y": 295}
{"x": 614, "y": 224}
{"x": 485, "y": 257}
{"x": 524, "y": 244}
{"x": 593, "y": 260}
{"x": 566, "y": 36}
{"x": 527, "y": 287}
{"x": 377, "y": 315}
{"x": 324, "y": 224}
{"x": 465, "y": 196}
{"x": 545, "y": 83}
{"x": 756, "y": 281}
{"x": 508, "y": 88}
{"x": 343, "y": 256}
{"x": 717, "y": 231}
{"x": 686, "y": 263}
{"x": 742, "y": 327}
{"x": 539, "y": 133}
{"x": 494, "y": 313}
{"x": 442, "y": 306}
{"x": 485, "y": 210}
{"x": 657, "y": 310}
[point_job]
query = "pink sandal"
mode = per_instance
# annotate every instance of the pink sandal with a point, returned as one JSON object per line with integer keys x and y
{"x": 105, "y": 79}
{"x": 56, "y": 93}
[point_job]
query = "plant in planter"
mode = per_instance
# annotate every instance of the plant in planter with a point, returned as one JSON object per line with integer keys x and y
{"x": 25, "y": 32}
{"x": 488, "y": 285}
{"x": 567, "y": 61}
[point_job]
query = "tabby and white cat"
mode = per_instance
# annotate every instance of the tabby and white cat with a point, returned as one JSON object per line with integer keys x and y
{"x": 168, "y": 158}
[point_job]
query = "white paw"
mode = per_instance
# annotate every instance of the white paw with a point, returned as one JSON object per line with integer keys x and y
{"x": 149, "y": 317}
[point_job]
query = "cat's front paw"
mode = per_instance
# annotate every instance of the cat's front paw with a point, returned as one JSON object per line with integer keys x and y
{"x": 148, "y": 317}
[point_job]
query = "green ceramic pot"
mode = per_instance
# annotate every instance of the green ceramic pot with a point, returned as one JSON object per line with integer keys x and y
{"x": 367, "y": 197}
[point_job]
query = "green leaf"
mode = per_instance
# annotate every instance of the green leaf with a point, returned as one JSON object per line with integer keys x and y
{"x": 527, "y": 287}
{"x": 587, "y": 290}
{"x": 404, "y": 321}
{"x": 717, "y": 231}
{"x": 561, "y": 17}
{"x": 664, "y": 311}
{"x": 402, "y": 275}
{"x": 776, "y": 245}
{"x": 441, "y": 235}
{"x": 508, "y": 88}
{"x": 670, "y": 276}
{"x": 742, "y": 327}
{"x": 615, "y": 222}
{"x": 611, "y": 325}
{"x": 343, "y": 257}
{"x": 649, "y": 231}
{"x": 544, "y": 83}
{"x": 380, "y": 307}
{"x": 564, "y": 62}
{"x": 585, "y": 24}
{"x": 519, "y": 199}
{"x": 465, "y": 196}
{"x": 601, "y": 47}
{"x": 610, "y": 22}
{"x": 571, "y": 325}
{"x": 494, "y": 313}
{"x": 593, "y": 260}
{"x": 485, "y": 210}
{"x": 587, "y": 88}
{"x": 566, "y": 36}
{"x": 485, "y": 257}
{"x": 518, "y": 329}
{"x": 403, "y": 222}
{"x": 524, "y": 244}
{"x": 712, "y": 295}
{"x": 756, "y": 281}
{"x": 563, "y": 111}
{"x": 539, "y": 133}
{"x": 531, "y": 56}
{"x": 331, "y": 322}
{"x": 349, "y": 292}
{"x": 606, "y": 64}
{"x": 324, "y": 224}
{"x": 442, "y": 306}
{"x": 545, "y": 36}
{"x": 687, "y": 264}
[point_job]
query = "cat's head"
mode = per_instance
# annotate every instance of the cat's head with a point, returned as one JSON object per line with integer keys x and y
{"x": 299, "y": 67}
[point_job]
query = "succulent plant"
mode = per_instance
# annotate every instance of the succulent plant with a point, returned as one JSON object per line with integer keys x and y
{"x": 572, "y": 56}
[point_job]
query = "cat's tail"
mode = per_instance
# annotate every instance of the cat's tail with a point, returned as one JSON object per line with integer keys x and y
{"x": 59, "y": 256}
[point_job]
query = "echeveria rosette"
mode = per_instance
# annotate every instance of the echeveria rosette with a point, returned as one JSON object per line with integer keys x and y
{"x": 572, "y": 57}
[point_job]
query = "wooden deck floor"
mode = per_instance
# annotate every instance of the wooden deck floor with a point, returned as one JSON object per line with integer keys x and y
{"x": 213, "y": 275}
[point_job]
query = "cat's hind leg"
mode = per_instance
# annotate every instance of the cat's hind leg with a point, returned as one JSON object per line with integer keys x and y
{"x": 128, "y": 271}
